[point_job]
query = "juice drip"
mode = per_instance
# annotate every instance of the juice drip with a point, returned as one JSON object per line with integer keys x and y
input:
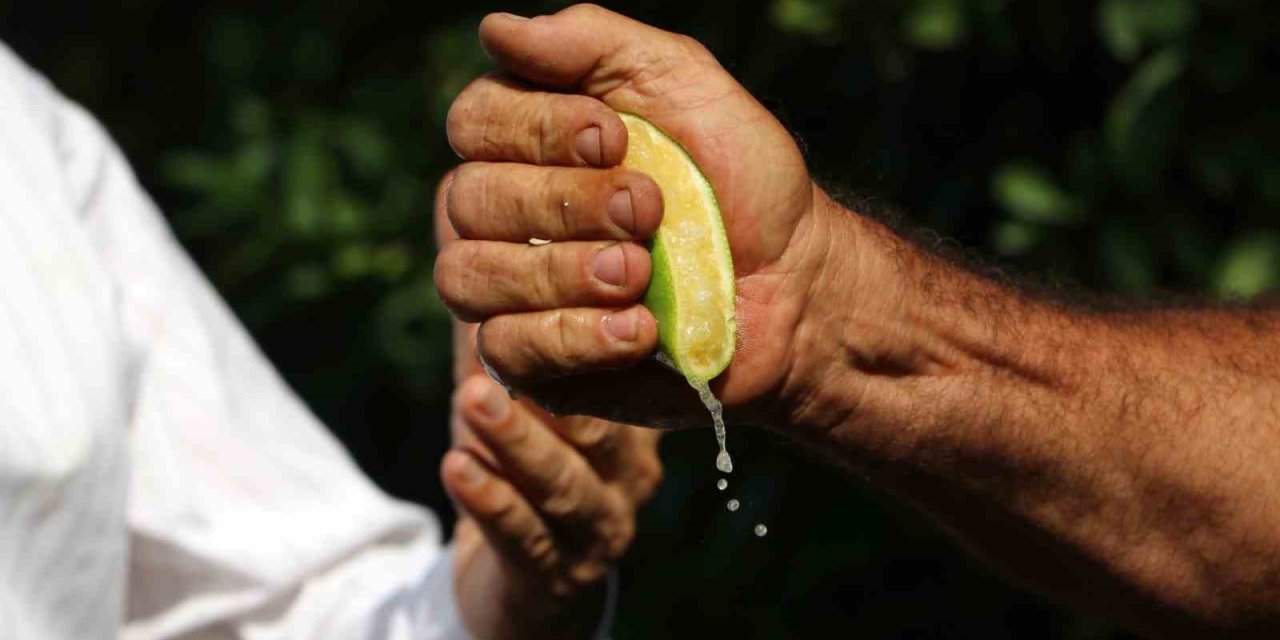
{"x": 723, "y": 462}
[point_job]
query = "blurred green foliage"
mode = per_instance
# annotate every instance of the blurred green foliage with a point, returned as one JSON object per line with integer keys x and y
{"x": 1128, "y": 145}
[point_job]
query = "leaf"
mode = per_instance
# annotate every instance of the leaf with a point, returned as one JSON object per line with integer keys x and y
{"x": 365, "y": 146}
{"x": 1119, "y": 29}
{"x": 1155, "y": 74}
{"x": 251, "y": 117}
{"x": 1250, "y": 265}
{"x": 413, "y": 326}
{"x": 1134, "y": 130}
{"x": 308, "y": 176}
{"x": 935, "y": 25}
{"x": 1029, "y": 194}
{"x": 306, "y": 282}
{"x": 194, "y": 170}
{"x": 391, "y": 261}
{"x": 814, "y": 18}
{"x": 1127, "y": 255}
{"x": 1126, "y": 26}
{"x": 352, "y": 261}
{"x": 1016, "y": 238}
{"x": 1167, "y": 20}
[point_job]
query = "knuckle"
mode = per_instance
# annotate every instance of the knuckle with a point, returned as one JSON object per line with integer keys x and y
{"x": 458, "y": 121}
{"x": 619, "y": 538}
{"x": 443, "y": 188}
{"x": 596, "y": 435}
{"x": 445, "y": 273}
{"x": 485, "y": 351}
{"x": 564, "y": 492}
{"x": 514, "y": 432}
{"x": 459, "y": 196}
{"x": 586, "y": 9}
{"x": 546, "y": 285}
{"x": 544, "y": 141}
{"x": 557, "y": 197}
{"x": 648, "y": 478}
{"x": 567, "y": 350}
{"x": 693, "y": 47}
{"x": 455, "y": 401}
{"x": 455, "y": 276}
{"x": 503, "y": 513}
{"x": 540, "y": 548}
{"x": 584, "y": 574}
{"x": 562, "y": 586}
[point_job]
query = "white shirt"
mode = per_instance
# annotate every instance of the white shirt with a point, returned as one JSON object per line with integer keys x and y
{"x": 157, "y": 477}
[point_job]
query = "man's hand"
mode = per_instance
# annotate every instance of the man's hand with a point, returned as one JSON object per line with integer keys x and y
{"x": 546, "y": 506}
{"x": 1125, "y": 461}
{"x": 560, "y": 322}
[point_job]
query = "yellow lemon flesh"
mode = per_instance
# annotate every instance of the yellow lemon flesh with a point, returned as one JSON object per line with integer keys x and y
{"x": 691, "y": 289}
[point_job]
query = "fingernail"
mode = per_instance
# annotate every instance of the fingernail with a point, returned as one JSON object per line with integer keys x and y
{"x": 623, "y": 326}
{"x": 588, "y": 145}
{"x": 620, "y": 211}
{"x": 610, "y": 266}
{"x": 494, "y": 404}
{"x": 512, "y": 16}
{"x": 470, "y": 471}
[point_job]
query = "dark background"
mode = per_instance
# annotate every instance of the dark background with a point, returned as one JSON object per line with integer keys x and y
{"x": 1127, "y": 146}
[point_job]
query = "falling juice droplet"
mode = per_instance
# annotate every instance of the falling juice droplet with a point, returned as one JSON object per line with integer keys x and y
{"x": 722, "y": 484}
{"x": 761, "y": 530}
{"x": 723, "y": 462}
{"x": 733, "y": 505}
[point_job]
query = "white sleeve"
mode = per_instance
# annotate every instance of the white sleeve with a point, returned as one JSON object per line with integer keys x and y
{"x": 246, "y": 518}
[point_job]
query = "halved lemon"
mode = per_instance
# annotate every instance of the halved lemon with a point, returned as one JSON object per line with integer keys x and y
{"x": 691, "y": 289}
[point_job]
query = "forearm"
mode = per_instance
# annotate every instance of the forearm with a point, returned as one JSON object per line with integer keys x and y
{"x": 1120, "y": 459}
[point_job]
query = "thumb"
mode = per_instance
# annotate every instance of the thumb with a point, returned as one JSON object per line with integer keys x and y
{"x": 591, "y": 50}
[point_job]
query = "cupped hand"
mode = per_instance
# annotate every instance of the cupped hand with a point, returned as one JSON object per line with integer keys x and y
{"x": 546, "y": 506}
{"x": 560, "y": 322}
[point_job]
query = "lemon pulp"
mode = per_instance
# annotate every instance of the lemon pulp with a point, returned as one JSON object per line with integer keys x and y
{"x": 691, "y": 290}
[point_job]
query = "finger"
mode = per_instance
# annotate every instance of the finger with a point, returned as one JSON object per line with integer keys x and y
{"x": 527, "y": 348}
{"x": 507, "y": 520}
{"x": 496, "y": 119}
{"x": 463, "y": 437}
{"x": 478, "y": 279}
{"x": 546, "y": 470}
{"x": 465, "y": 361}
{"x": 516, "y": 202}
{"x": 585, "y": 47}
{"x": 619, "y": 453}
{"x": 600, "y": 442}
{"x": 443, "y": 227}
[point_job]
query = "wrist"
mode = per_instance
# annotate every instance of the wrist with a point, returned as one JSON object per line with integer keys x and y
{"x": 895, "y": 344}
{"x": 852, "y": 326}
{"x": 499, "y": 600}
